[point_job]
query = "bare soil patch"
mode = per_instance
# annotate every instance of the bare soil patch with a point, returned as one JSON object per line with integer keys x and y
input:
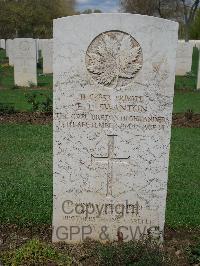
{"x": 179, "y": 120}
{"x": 27, "y": 118}
{"x": 186, "y": 120}
{"x": 13, "y": 236}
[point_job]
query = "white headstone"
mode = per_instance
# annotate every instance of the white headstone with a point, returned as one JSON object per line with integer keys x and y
{"x": 3, "y": 44}
{"x": 7, "y": 47}
{"x": 184, "y": 58}
{"x": 195, "y": 43}
{"x": 25, "y": 68}
{"x": 113, "y": 94}
{"x": 47, "y": 54}
{"x": 198, "y": 74}
{"x": 40, "y": 43}
{"x": 10, "y": 51}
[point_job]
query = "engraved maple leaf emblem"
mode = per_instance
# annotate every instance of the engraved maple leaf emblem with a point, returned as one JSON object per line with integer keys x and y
{"x": 114, "y": 58}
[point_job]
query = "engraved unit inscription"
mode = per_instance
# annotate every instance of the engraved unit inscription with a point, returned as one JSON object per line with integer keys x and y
{"x": 114, "y": 58}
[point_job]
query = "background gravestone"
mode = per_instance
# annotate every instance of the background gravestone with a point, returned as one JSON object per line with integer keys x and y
{"x": 7, "y": 47}
{"x": 113, "y": 95}
{"x": 195, "y": 43}
{"x": 10, "y": 51}
{"x": 184, "y": 58}
{"x": 2, "y": 44}
{"x": 47, "y": 54}
{"x": 25, "y": 68}
{"x": 40, "y": 43}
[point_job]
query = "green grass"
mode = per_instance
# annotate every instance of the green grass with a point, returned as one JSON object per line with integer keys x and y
{"x": 19, "y": 99}
{"x": 183, "y": 204}
{"x": 3, "y": 58}
{"x": 45, "y": 80}
{"x": 7, "y": 77}
{"x": 185, "y": 82}
{"x": 26, "y": 176}
{"x": 189, "y": 81}
{"x": 185, "y": 101}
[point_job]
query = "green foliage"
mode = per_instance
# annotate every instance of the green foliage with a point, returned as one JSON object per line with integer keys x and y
{"x": 194, "y": 254}
{"x": 3, "y": 58}
{"x": 185, "y": 82}
{"x": 6, "y": 72}
{"x": 31, "y": 18}
{"x": 32, "y": 99}
{"x": 35, "y": 253}
{"x": 19, "y": 99}
{"x": 47, "y": 104}
{"x": 40, "y": 102}
{"x": 189, "y": 114}
{"x": 195, "y": 27}
{"x": 90, "y": 11}
{"x": 15, "y": 87}
{"x": 45, "y": 80}
{"x": 39, "y": 253}
{"x": 7, "y": 108}
{"x": 131, "y": 253}
{"x": 195, "y": 61}
{"x": 7, "y": 78}
{"x": 40, "y": 62}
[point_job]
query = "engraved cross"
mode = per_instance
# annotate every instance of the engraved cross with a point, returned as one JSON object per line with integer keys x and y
{"x": 110, "y": 159}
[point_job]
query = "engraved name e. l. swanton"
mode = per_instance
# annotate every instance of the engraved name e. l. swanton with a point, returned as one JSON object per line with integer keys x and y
{"x": 114, "y": 58}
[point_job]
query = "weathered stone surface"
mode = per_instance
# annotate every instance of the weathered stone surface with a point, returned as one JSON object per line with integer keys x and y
{"x": 113, "y": 95}
{"x": 195, "y": 43}
{"x": 7, "y": 46}
{"x": 10, "y": 51}
{"x": 184, "y": 58}
{"x": 25, "y": 65}
{"x": 3, "y": 44}
{"x": 47, "y": 54}
{"x": 40, "y": 43}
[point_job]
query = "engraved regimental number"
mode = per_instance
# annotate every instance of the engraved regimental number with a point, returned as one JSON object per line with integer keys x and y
{"x": 110, "y": 159}
{"x": 114, "y": 58}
